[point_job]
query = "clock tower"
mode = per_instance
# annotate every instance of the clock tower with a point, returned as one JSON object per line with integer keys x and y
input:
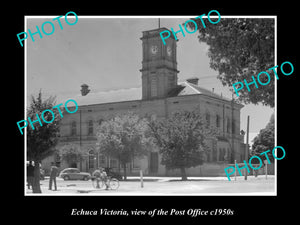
{"x": 159, "y": 66}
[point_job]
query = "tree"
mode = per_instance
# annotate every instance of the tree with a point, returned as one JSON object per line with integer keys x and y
{"x": 123, "y": 137}
{"x": 42, "y": 139}
{"x": 265, "y": 140}
{"x": 240, "y": 48}
{"x": 181, "y": 139}
{"x": 71, "y": 154}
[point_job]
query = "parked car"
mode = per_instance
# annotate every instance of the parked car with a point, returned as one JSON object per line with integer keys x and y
{"x": 113, "y": 174}
{"x": 74, "y": 174}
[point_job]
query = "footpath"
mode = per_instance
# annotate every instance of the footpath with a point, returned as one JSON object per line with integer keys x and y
{"x": 167, "y": 186}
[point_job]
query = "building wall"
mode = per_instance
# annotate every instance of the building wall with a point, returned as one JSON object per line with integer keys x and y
{"x": 84, "y": 135}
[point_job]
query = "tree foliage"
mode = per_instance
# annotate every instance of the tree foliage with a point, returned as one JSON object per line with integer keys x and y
{"x": 41, "y": 140}
{"x": 181, "y": 139}
{"x": 265, "y": 140}
{"x": 123, "y": 137}
{"x": 72, "y": 154}
{"x": 240, "y": 48}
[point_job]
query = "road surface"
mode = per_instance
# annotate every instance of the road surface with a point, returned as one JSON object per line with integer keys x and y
{"x": 168, "y": 186}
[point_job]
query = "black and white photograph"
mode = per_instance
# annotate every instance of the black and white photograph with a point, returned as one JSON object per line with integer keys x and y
{"x": 148, "y": 118}
{"x": 153, "y": 106}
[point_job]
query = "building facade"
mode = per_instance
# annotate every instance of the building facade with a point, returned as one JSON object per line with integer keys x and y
{"x": 160, "y": 95}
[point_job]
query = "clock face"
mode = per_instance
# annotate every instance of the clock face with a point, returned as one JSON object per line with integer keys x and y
{"x": 154, "y": 49}
{"x": 169, "y": 51}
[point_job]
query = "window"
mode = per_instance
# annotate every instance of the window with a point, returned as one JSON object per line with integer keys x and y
{"x": 221, "y": 154}
{"x": 90, "y": 127}
{"x": 102, "y": 161}
{"x": 113, "y": 163}
{"x": 73, "y": 128}
{"x": 171, "y": 80}
{"x": 207, "y": 117}
{"x": 91, "y": 159}
{"x": 233, "y": 127}
{"x": 227, "y": 156}
{"x": 153, "y": 163}
{"x": 71, "y": 171}
{"x": 136, "y": 162}
{"x": 228, "y": 125}
{"x": 208, "y": 156}
{"x": 100, "y": 121}
{"x": 214, "y": 154}
{"x": 218, "y": 121}
{"x": 153, "y": 86}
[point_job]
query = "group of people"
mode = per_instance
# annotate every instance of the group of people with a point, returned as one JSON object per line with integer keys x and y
{"x": 52, "y": 179}
{"x": 98, "y": 173}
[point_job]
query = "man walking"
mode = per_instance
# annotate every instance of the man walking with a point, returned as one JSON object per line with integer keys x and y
{"x": 53, "y": 174}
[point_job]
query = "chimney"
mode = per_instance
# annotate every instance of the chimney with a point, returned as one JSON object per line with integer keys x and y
{"x": 193, "y": 80}
{"x": 84, "y": 89}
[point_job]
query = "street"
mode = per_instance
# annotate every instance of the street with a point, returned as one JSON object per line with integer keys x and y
{"x": 167, "y": 186}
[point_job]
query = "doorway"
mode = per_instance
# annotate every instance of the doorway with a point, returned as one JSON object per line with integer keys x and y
{"x": 153, "y": 163}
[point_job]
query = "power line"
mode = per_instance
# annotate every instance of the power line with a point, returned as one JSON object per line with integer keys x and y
{"x": 207, "y": 77}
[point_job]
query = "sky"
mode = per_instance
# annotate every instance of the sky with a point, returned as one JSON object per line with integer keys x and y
{"x": 106, "y": 54}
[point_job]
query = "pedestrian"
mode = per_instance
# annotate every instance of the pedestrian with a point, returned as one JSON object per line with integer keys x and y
{"x": 101, "y": 175}
{"x": 30, "y": 174}
{"x": 53, "y": 174}
{"x": 96, "y": 174}
{"x": 104, "y": 177}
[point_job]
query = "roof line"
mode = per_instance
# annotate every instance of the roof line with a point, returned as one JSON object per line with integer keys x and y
{"x": 192, "y": 87}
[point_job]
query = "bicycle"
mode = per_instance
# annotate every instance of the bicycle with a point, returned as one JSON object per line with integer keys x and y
{"x": 99, "y": 183}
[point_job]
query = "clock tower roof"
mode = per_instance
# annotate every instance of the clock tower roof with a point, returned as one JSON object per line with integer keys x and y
{"x": 154, "y": 33}
{"x": 159, "y": 66}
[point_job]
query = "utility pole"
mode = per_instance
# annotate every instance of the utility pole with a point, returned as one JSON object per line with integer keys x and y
{"x": 235, "y": 170}
{"x": 80, "y": 144}
{"x": 247, "y": 145}
{"x": 141, "y": 178}
{"x": 232, "y": 124}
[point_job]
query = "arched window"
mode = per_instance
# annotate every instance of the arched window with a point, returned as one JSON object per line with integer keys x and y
{"x": 207, "y": 117}
{"x": 102, "y": 160}
{"x": 214, "y": 154}
{"x": 90, "y": 127}
{"x": 228, "y": 125}
{"x": 92, "y": 159}
{"x": 218, "y": 121}
{"x": 227, "y": 155}
{"x": 221, "y": 154}
{"x": 100, "y": 121}
{"x": 233, "y": 127}
{"x": 73, "y": 128}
